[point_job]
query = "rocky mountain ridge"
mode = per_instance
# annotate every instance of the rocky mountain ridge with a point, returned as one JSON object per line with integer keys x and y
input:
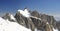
{"x": 32, "y": 20}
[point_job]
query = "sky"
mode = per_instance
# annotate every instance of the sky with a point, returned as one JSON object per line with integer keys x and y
{"x": 50, "y": 7}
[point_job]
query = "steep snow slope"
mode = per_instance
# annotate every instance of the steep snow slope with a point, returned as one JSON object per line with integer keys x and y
{"x": 6, "y": 25}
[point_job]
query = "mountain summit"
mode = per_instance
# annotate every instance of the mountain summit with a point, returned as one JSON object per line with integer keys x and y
{"x": 24, "y": 12}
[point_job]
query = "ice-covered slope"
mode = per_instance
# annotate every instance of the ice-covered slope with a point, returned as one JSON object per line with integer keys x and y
{"x": 6, "y": 25}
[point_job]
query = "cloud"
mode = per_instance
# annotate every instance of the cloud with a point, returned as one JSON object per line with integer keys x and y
{"x": 57, "y": 17}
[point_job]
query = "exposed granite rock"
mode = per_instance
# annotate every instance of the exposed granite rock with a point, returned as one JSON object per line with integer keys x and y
{"x": 35, "y": 14}
{"x": 49, "y": 19}
{"x": 41, "y": 24}
{"x": 27, "y": 22}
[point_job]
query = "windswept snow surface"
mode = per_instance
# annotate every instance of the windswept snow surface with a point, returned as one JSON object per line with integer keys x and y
{"x": 6, "y": 25}
{"x": 25, "y": 13}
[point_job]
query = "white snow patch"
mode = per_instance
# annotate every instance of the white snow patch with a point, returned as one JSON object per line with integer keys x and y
{"x": 6, "y": 25}
{"x": 47, "y": 23}
{"x": 37, "y": 29}
{"x": 55, "y": 29}
{"x": 12, "y": 17}
{"x": 25, "y": 13}
{"x": 35, "y": 17}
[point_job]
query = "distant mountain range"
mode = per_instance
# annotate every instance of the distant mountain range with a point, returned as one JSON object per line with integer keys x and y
{"x": 33, "y": 20}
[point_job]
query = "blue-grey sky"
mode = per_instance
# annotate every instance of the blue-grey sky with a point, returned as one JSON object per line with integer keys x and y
{"x": 50, "y": 7}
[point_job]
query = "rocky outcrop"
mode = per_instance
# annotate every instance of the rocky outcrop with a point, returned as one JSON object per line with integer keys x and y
{"x": 36, "y": 14}
{"x": 44, "y": 18}
{"x": 9, "y": 17}
{"x": 27, "y": 22}
{"x": 49, "y": 19}
{"x": 58, "y": 25}
{"x": 20, "y": 18}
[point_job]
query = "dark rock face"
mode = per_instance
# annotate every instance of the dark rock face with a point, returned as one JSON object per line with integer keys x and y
{"x": 58, "y": 25}
{"x": 27, "y": 22}
{"x": 36, "y": 14}
{"x": 38, "y": 23}
{"x": 49, "y": 19}
{"x": 19, "y": 18}
{"x": 44, "y": 18}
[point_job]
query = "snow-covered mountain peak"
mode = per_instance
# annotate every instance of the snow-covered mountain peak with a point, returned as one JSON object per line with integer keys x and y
{"x": 9, "y": 17}
{"x": 25, "y": 13}
{"x": 19, "y": 10}
{"x": 12, "y": 17}
{"x": 26, "y": 10}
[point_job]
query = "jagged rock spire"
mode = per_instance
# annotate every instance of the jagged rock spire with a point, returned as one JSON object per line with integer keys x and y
{"x": 24, "y": 13}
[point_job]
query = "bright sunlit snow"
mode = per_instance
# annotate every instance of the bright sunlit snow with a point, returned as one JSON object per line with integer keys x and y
{"x": 47, "y": 23}
{"x": 6, "y": 25}
{"x": 55, "y": 29}
{"x": 12, "y": 17}
{"x": 35, "y": 17}
{"x": 25, "y": 13}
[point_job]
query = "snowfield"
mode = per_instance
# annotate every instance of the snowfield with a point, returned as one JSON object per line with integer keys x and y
{"x": 6, "y": 25}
